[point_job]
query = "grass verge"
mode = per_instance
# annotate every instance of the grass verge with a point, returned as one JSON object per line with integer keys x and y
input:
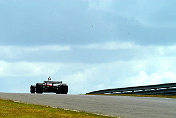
{"x": 10, "y": 109}
{"x": 160, "y": 96}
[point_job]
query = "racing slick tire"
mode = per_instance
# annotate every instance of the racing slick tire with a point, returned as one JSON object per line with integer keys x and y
{"x": 32, "y": 89}
{"x": 39, "y": 88}
{"x": 63, "y": 89}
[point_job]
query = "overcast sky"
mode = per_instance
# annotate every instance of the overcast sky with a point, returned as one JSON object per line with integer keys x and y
{"x": 88, "y": 44}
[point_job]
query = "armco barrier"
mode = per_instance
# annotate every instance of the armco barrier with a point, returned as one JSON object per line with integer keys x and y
{"x": 166, "y": 89}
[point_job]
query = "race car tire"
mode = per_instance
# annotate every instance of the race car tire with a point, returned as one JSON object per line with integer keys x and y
{"x": 63, "y": 89}
{"x": 32, "y": 89}
{"x": 39, "y": 88}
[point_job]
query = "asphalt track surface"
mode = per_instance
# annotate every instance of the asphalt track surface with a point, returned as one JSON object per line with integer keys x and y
{"x": 123, "y": 106}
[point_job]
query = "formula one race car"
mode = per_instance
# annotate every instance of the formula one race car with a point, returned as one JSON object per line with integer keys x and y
{"x": 50, "y": 86}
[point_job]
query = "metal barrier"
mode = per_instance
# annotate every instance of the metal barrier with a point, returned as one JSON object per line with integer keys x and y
{"x": 165, "y": 89}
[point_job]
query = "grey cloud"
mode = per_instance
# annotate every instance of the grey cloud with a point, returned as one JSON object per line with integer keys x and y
{"x": 76, "y": 54}
{"x": 63, "y": 22}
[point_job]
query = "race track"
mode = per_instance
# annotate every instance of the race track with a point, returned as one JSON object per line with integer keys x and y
{"x": 127, "y": 107}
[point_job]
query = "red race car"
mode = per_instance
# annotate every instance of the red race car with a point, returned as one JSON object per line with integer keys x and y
{"x": 50, "y": 86}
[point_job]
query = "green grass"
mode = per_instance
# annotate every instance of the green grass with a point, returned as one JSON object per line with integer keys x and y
{"x": 10, "y": 109}
{"x": 160, "y": 96}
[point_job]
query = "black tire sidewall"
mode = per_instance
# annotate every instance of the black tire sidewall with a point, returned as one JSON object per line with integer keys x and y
{"x": 32, "y": 89}
{"x": 63, "y": 89}
{"x": 39, "y": 88}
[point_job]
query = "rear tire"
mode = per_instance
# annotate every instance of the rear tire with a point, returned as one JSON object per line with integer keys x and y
{"x": 32, "y": 89}
{"x": 63, "y": 89}
{"x": 39, "y": 88}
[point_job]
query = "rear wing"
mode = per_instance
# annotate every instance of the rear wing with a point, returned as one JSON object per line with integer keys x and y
{"x": 53, "y": 82}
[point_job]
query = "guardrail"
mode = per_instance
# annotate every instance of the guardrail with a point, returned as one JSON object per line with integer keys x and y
{"x": 165, "y": 89}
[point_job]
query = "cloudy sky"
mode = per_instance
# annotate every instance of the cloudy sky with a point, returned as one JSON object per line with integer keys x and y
{"x": 88, "y": 44}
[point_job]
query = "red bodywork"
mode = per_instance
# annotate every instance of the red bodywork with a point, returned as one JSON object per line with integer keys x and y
{"x": 48, "y": 84}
